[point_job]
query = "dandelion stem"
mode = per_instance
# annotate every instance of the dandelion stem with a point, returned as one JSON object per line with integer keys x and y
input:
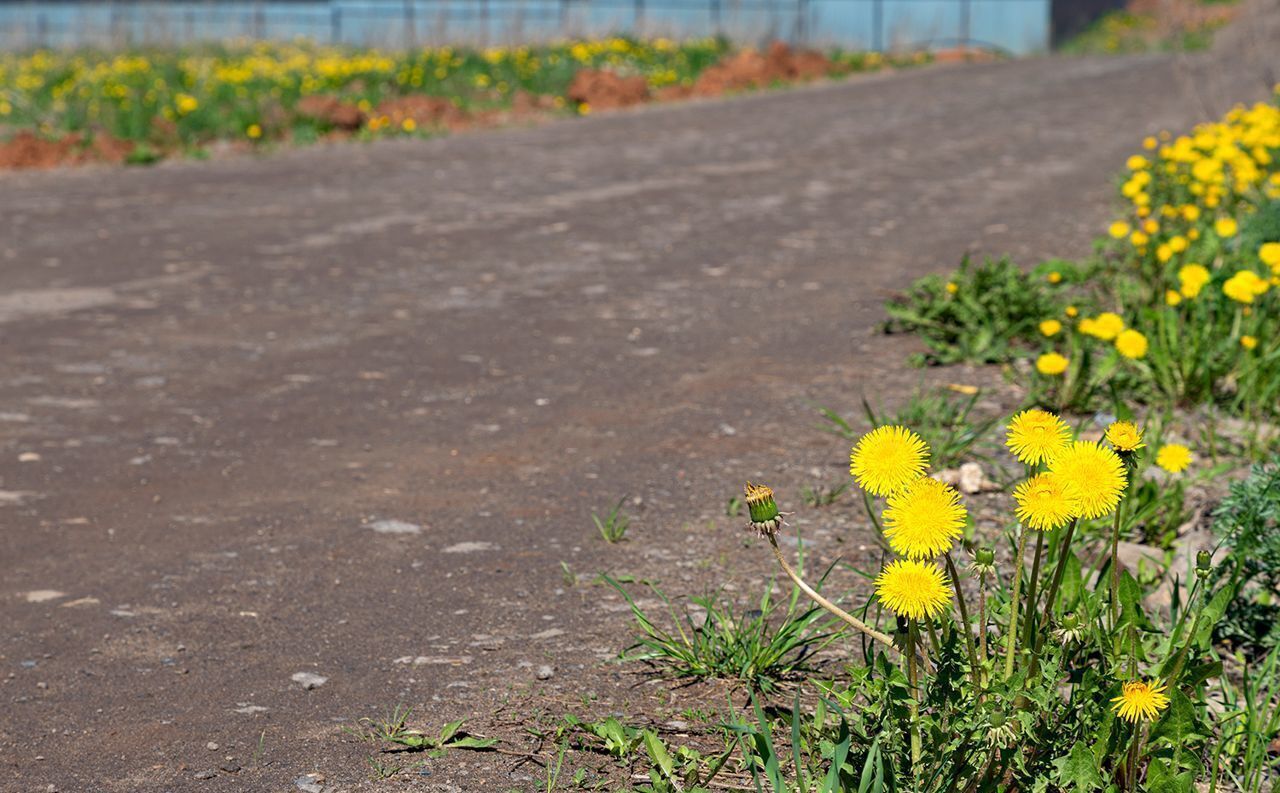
{"x": 848, "y": 618}
{"x": 1032, "y": 583}
{"x": 982, "y": 622}
{"x": 1063, "y": 553}
{"x": 1011, "y": 636}
{"x": 913, "y": 633}
{"x": 1115, "y": 577}
{"x": 964, "y": 622}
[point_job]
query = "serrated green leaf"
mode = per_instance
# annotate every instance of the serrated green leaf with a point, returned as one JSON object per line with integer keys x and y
{"x": 1078, "y": 769}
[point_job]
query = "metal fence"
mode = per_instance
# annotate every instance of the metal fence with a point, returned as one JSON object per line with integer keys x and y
{"x": 1017, "y": 26}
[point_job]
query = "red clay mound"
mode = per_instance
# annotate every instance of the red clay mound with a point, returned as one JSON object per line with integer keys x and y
{"x": 750, "y": 69}
{"x": 330, "y": 111}
{"x": 27, "y": 150}
{"x": 605, "y": 90}
{"x": 425, "y": 111}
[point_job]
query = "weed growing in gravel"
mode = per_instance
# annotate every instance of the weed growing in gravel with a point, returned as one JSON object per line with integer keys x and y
{"x": 980, "y": 314}
{"x": 1060, "y": 678}
{"x": 758, "y": 647}
{"x": 822, "y": 495}
{"x": 944, "y": 418}
{"x": 392, "y": 734}
{"x": 613, "y": 526}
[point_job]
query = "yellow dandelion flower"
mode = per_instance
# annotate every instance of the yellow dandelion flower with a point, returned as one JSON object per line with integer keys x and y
{"x": 917, "y": 590}
{"x": 1036, "y": 436}
{"x": 1044, "y": 503}
{"x": 1119, "y": 230}
{"x": 1269, "y": 253}
{"x": 1050, "y": 327}
{"x": 1140, "y": 701}
{"x": 952, "y": 287}
{"x": 1051, "y": 364}
{"x": 1172, "y": 298}
{"x": 1107, "y": 325}
{"x": 887, "y": 459}
{"x": 1174, "y": 458}
{"x": 1071, "y": 311}
{"x": 1093, "y": 475}
{"x": 1226, "y": 227}
{"x": 1131, "y": 344}
{"x": 1054, "y": 277}
{"x": 1125, "y": 436}
{"x": 923, "y": 519}
{"x": 1249, "y": 342}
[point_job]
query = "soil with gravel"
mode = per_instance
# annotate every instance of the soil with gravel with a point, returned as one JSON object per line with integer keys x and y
{"x": 287, "y": 441}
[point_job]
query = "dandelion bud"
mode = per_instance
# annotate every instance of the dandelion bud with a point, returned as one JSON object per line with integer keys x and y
{"x": 1070, "y": 628}
{"x": 986, "y": 556}
{"x": 1204, "y": 564}
{"x": 765, "y": 517}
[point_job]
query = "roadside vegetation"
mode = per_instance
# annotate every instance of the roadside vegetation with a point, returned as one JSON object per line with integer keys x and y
{"x": 1105, "y": 620}
{"x": 144, "y": 104}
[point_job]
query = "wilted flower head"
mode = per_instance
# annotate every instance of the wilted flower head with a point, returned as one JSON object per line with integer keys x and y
{"x": 765, "y": 517}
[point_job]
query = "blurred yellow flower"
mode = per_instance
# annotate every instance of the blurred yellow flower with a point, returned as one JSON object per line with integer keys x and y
{"x": 1050, "y": 327}
{"x": 1174, "y": 458}
{"x": 1119, "y": 230}
{"x": 1172, "y": 298}
{"x": 1248, "y": 342}
{"x": 1051, "y": 364}
{"x": 1226, "y": 227}
{"x": 1131, "y": 344}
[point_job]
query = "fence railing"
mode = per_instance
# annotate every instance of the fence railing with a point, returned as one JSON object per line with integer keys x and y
{"x": 1013, "y": 25}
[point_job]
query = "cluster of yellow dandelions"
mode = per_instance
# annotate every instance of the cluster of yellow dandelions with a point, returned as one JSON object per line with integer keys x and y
{"x": 1185, "y": 200}
{"x": 1069, "y": 480}
{"x": 922, "y": 519}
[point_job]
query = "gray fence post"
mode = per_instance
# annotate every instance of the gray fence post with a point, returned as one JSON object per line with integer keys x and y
{"x": 410, "y": 33}
{"x": 877, "y": 25}
{"x": 335, "y": 24}
{"x": 965, "y": 33}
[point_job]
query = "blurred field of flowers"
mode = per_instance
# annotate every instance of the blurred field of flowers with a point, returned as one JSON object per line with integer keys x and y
{"x": 144, "y": 104}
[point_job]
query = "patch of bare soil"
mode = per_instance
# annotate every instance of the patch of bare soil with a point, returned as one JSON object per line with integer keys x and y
{"x": 425, "y": 111}
{"x": 28, "y": 150}
{"x": 331, "y": 111}
{"x": 750, "y": 68}
{"x": 605, "y": 90}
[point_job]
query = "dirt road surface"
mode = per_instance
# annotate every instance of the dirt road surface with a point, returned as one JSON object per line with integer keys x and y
{"x": 344, "y": 411}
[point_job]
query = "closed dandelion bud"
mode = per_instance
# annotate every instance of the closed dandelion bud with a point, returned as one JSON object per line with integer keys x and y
{"x": 765, "y": 517}
{"x": 1070, "y": 628}
{"x": 984, "y": 561}
{"x": 1002, "y": 731}
{"x": 1204, "y": 564}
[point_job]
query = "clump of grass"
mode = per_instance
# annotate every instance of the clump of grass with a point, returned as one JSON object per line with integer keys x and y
{"x": 944, "y": 417}
{"x": 613, "y": 526}
{"x": 758, "y": 647}
{"x": 823, "y": 495}
{"x": 978, "y": 314}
